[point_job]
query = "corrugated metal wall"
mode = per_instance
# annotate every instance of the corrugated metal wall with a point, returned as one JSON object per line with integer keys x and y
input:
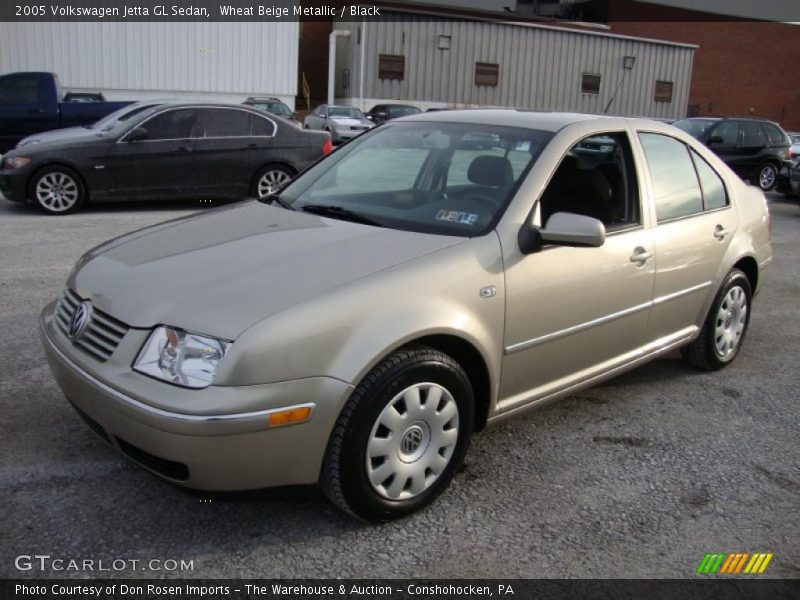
{"x": 242, "y": 58}
{"x": 540, "y": 68}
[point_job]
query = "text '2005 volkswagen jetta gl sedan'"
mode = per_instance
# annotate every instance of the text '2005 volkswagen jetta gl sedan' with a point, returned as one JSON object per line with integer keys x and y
{"x": 402, "y": 293}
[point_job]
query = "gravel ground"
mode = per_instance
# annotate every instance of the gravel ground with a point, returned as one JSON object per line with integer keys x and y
{"x": 636, "y": 478}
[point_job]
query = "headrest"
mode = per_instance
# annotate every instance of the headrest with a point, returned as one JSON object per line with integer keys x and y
{"x": 494, "y": 171}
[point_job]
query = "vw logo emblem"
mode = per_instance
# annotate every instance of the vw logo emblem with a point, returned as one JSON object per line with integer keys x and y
{"x": 411, "y": 440}
{"x": 80, "y": 320}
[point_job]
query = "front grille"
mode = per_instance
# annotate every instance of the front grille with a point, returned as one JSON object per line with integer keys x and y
{"x": 162, "y": 466}
{"x": 102, "y": 334}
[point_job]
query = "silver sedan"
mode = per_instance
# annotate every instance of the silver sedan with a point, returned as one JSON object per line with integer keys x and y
{"x": 342, "y": 122}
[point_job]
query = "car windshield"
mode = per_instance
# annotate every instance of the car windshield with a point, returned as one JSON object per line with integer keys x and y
{"x": 694, "y": 127}
{"x": 443, "y": 178}
{"x": 276, "y": 108}
{"x": 113, "y": 119}
{"x": 345, "y": 111}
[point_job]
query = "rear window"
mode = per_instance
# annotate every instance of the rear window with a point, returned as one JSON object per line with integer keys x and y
{"x": 775, "y": 136}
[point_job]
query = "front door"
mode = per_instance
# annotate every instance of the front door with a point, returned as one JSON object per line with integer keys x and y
{"x": 571, "y": 312}
{"x": 158, "y": 166}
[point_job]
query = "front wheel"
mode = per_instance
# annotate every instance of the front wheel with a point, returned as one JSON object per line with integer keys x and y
{"x": 270, "y": 179}
{"x": 767, "y": 176}
{"x": 401, "y": 436}
{"x": 57, "y": 190}
{"x": 723, "y": 332}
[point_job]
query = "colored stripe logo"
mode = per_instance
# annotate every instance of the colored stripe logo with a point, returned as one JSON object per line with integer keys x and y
{"x": 734, "y": 563}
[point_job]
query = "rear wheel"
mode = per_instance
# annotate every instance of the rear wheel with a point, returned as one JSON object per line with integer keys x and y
{"x": 767, "y": 176}
{"x": 401, "y": 436}
{"x": 57, "y": 190}
{"x": 723, "y": 332}
{"x": 270, "y": 179}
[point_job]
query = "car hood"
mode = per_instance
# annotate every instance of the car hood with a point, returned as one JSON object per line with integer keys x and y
{"x": 222, "y": 271}
{"x": 58, "y": 144}
{"x": 69, "y": 133}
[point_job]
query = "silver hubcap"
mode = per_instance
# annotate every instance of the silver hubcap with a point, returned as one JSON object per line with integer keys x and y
{"x": 731, "y": 318}
{"x": 767, "y": 177}
{"x": 412, "y": 441}
{"x": 271, "y": 182}
{"x": 57, "y": 191}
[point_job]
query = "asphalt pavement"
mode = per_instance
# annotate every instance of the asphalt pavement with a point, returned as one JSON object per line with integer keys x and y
{"x": 639, "y": 477}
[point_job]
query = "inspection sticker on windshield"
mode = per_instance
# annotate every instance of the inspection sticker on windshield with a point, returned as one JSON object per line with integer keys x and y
{"x": 454, "y": 216}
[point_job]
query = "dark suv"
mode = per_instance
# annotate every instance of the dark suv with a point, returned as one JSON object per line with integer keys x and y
{"x": 754, "y": 148}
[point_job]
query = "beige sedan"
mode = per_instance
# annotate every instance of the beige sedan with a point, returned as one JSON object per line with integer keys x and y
{"x": 403, "y": 293}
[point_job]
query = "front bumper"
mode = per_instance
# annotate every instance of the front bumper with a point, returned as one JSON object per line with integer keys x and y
{"x": 222, "y": 450}
{"x": 13, "y": 183}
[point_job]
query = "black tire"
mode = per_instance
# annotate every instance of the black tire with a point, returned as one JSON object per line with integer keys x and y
{"x": 703, "y": 352}
{"x": 344, "y": 478}
{"x": 768, "y": 166}
{"x": 73, "y": 190}
{"x": 278, "y": 170}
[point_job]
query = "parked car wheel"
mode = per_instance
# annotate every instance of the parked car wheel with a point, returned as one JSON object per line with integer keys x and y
{"x": 401, "y": 436}
{"x": 58, "y": 190}
{"x": 767, "y": 176}
{"x": 726, "y": 324}
{"x": 270, "y": 179}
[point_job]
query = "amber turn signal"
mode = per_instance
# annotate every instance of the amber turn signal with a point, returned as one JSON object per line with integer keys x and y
{"x": 290, "y": 416}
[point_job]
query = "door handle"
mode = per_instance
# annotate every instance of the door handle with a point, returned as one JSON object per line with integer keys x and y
{"x": 720, "y": 232}
{"x": 640, "y": 256}
{"x": 35, "y": 111}
{"x": 252, "y": 145}
{"x": 184, "y": 149}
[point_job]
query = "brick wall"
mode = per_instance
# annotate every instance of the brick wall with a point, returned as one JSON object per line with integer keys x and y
{"x": 740, "y": 67}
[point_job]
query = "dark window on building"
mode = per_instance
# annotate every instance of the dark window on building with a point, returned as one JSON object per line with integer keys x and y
{"x": 486, "y": 74}
{"x": 663, "y": 91}
{"x": 590, "y": 83}
{"x": 391, "y": 66}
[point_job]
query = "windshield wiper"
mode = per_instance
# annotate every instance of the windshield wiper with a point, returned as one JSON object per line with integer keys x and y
{"x": 276, "y": 199}
{"x": 339, "y": 212}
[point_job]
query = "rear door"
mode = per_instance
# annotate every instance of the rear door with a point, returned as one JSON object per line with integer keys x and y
{"x": 752, "y": 148}
{"x": 161, "y": 165}
{"x": 695, "y": 225}
{"x": 232, "y": 143}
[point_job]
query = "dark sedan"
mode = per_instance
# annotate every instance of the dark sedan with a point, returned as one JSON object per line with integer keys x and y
{"x": 169, "y": 151}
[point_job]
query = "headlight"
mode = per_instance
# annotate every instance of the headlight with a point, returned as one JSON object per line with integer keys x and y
{"x": 15, "y": 162}
{"x": 181, "y": 357}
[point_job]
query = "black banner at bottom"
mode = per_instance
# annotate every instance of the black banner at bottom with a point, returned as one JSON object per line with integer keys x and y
{"x": 397, "y": 589}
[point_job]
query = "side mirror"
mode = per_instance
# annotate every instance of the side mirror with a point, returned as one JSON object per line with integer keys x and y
{"x": 715, "y": 139}
{"x": 563, "y": 229}
{"x": 137, "y": 134}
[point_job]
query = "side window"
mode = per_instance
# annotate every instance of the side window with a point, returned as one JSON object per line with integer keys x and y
{"x": 714, "y": 195}
{"x": 19, "y": 89}
{"x": 775, "y": 136}
{"x": 225, "y": 122}
{"x": 675, "y": 186}
{"x": 752, "y": 134}
{"x": 261, "y": 127}
{"x": 171, "y": 125}
{"x": 595, "y": 179}
{"x": 728, "y": 131}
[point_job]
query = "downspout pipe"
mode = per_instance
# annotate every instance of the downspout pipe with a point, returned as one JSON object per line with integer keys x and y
{"x": 332, "y": 61}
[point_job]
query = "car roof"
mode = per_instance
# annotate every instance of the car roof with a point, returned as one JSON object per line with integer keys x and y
{"x": 547, "y": 121}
